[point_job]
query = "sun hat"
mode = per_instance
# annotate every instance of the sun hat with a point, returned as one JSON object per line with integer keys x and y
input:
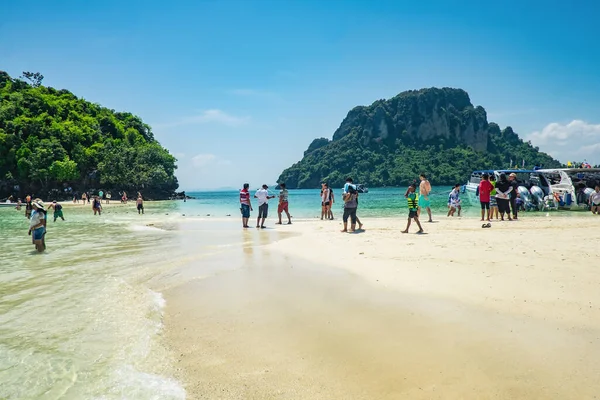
{"x": 38, "y": 203}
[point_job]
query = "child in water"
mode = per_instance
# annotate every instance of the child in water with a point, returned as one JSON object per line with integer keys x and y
{"x": 413, "y": 206}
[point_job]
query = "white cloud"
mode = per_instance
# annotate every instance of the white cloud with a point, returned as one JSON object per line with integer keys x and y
{"x": 203, "y": 161}
{"x": 207, "y": 117}
{"x": 575, "y": 141}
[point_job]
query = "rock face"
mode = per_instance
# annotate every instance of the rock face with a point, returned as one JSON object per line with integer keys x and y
{"x": 422, "y": 115}
{"x": 437, "y": 131}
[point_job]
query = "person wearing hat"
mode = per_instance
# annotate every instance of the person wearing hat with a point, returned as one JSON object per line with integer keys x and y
{"x": 512, "y": 178}
{"x": 37, "y": 225}
{"x": 263, "y": 205}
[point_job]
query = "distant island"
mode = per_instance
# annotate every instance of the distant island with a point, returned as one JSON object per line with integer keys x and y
{"x": 389, "y": 143}
{"x": 53, "y": 144}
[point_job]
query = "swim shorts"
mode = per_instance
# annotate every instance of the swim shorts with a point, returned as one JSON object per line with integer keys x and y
{"x": 140, "y": 206}
{"x": 38, "y": 234}
{"x": 493, "y": 202}
{"x": 58, "y": 214}
{"x": 245, "y": 210}
{"x": 263, "y": 210}
{"x": 412, "y": 214}
{"x": 282, "y": 207}
{"x": 423, "y": 202}
{"x": 325, "y": 204}
{"x": 485, "y": 205}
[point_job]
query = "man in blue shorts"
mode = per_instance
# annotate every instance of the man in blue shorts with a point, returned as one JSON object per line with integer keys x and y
{"x": 245, "y": 205}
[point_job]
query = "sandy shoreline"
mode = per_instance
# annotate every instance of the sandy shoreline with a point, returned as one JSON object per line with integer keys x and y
{"x": 305, "y": 312}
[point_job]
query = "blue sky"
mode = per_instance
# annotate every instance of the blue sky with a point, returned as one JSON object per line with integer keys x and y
{"x": 238, "y": 89}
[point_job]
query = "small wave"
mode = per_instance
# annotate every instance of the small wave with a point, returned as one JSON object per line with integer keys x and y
{"x": 145, "y": 228}
{"x": 158, "y": 300}
{"x": 135, "y": 384}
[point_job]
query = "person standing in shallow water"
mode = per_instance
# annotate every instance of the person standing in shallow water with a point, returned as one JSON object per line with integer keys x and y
{"x": 96, "y": 205}
{"x": 28, "y": 207}
{"x": 37, "y": 228}
{"x": 424, "y": 192}
{"x": 57, "y": 210}
{"x": 140, "y": 204}
{"x": 283, "y": 204}
{"x": 245, "y": 205}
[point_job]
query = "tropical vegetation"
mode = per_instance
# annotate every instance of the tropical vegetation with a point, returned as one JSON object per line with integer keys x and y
{"x": 53, "y": 141}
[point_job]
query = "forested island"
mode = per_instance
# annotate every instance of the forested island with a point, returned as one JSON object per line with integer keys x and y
{"x": 389, "y": 143}
{"x": 52, "y": 143}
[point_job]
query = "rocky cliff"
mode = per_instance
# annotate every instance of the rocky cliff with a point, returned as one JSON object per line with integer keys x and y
{"x": 437, "y": 131}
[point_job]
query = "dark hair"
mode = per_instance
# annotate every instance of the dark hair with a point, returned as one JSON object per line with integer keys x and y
{"x": 485, "y": 177}
{"x": 424, "y": 176}
{"x": 503, "y": 177}
{"x": 246, "y": 185}
{"x": 282, "y": 185}
{"x": 348, "y": 179}
{"x": 265, "y": 186}
{"x": 326, "y": 184}
{"x": 493, "y": 177}
{"x": 457, "y": 185}
{"x": 413, "y": 185}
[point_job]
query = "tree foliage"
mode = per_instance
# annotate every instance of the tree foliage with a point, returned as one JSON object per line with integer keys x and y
{"x": 432, "y": 131}
{"x": 50, "y": 139}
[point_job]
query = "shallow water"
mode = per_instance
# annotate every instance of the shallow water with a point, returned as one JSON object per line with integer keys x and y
{"x": 79, "y": 320}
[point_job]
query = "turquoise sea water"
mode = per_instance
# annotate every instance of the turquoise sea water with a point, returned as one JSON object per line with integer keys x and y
{"x": 81, "y": 320}
{"x": 306, "y": 203}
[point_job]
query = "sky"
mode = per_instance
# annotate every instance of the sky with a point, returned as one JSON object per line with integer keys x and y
{"x": 237, "y": 89}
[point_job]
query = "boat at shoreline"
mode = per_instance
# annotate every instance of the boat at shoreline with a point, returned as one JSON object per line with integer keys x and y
{"x": 545, "y": 189}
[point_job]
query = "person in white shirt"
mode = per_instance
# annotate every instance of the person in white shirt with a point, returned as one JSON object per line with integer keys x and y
{"x": 595, "y": 201}
{"x": 263, "y": 205}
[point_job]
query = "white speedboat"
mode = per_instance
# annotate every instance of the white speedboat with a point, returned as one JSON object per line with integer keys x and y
{"x": 534, "y": 187}
{"x": 571, "y": 187}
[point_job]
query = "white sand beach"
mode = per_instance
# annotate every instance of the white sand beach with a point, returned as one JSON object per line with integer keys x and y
{"x": 306, "y": 312}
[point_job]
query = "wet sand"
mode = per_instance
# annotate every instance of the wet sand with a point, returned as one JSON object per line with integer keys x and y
{"x": 305, "y": 312}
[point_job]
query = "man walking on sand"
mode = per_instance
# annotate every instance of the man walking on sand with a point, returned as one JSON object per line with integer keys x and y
{"x": 245, "y": 205}
{"x": 263, "y": 205}
{"x": 283, "y": 204}
{"x": 424, "y": 191}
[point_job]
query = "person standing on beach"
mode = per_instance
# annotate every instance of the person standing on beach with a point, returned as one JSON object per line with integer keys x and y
{"x": 37, "y": 227}
{"x": 101, "y": 195}
{"x": 283, "y": 204}
{"x": 503, "y": 189}
{"x": 108, "y": 196}
{"x": 83, "y": 197}
{"x": 454, "y": 201}
{"x": 263, "y": 205}
{"x": 331, "y": 201}
{"x": 97, "y": 205}
{"x": 140, "y": 203}
{"x": 485, "y": 190}
{"x": 493, "y": 202}
{"x": 512, "y": 178}
{"x": 325, "y": 200}
{"x": 57, "y": 210}
{"x": 245, "y": 205}
{"x": 595, "y": 201}
{"x": 349, "y": 186}
{"x": 413, "y": 208}
{"x": 424, "y": 191}
{"x": 350, "y": 204}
